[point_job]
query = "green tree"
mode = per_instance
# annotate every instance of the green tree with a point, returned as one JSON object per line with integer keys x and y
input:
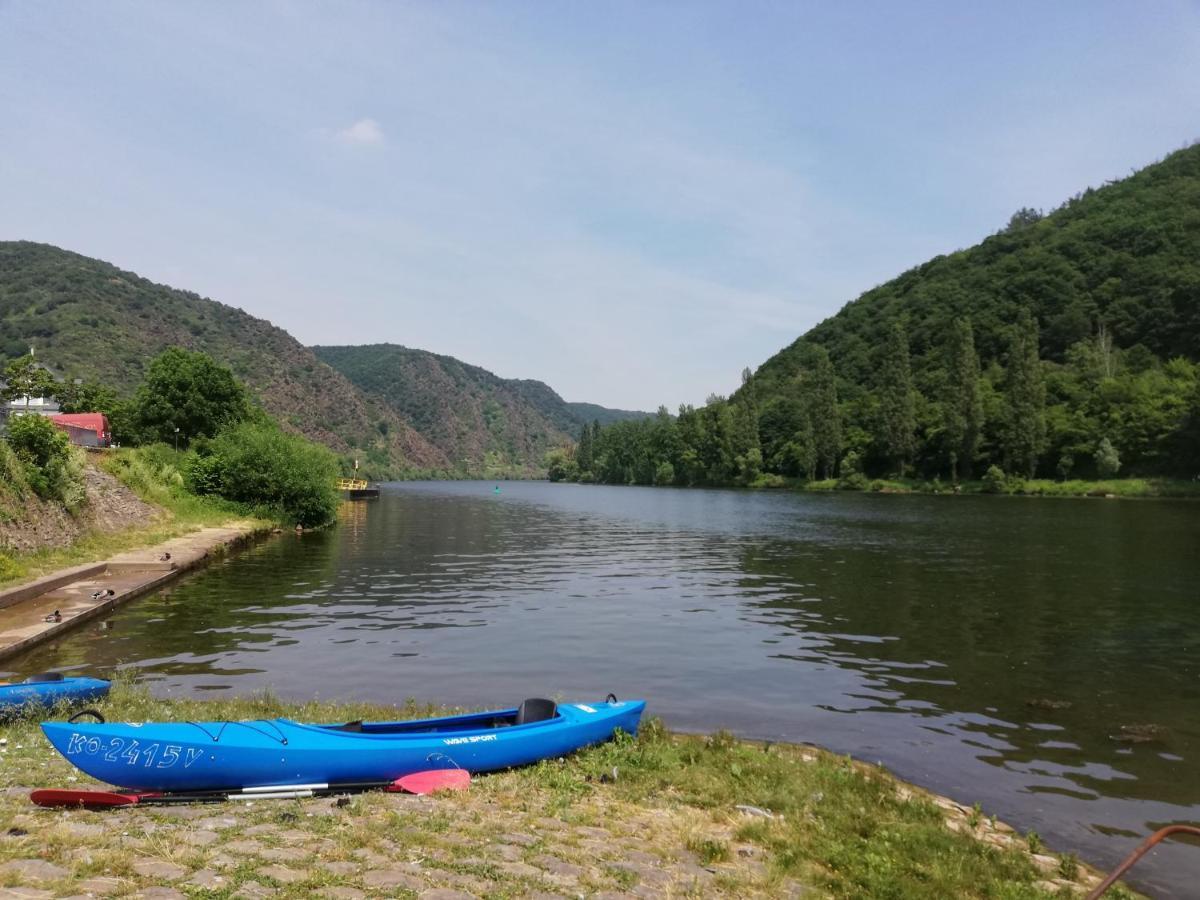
{"x": 1186, "y": 441}
{"x": 823, "y": 412}
{"x": 897, "y": 402}
{"x": 1108, "y": 461}
{"x": 187, "y": 395}
{"x": 561, "y": 465}
{"x": 583, "y": 453}
{"x": 24, "y": 377}
{"x": 963, "y": 408}
{"x": 1023, "y": 218}
{"x": 87, "y": 396}
{"x": 800, "y": 453}
{"x": 1025, "y": 432}
{"x": 747, "y": 448}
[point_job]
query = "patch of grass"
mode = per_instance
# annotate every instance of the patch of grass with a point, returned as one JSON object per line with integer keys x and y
{"x": 862, "y": 840}
{"x": 975, "y": 816}
{"x": 709, "y": 850}
{"x": 825, "y": 484}
{"x": 625, "y": 879}
{"x": 1068, "y": 866}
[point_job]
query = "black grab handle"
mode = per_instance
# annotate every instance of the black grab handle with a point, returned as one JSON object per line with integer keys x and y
{"x": 87, "y": 712}
{"x": 611, "y": 698}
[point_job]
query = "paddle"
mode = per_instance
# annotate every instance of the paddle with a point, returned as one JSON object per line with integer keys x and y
{"x": 414, "y": 783}
{"x": 432, "y": 780}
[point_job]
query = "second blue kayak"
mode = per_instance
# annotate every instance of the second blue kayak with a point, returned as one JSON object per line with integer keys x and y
{"x": 201, "y": 756}
{"x": 49, "y": 689}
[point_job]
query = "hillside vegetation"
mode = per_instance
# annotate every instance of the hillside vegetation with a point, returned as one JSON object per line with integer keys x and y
{"x": 407, "y": 411}
{"x": 1066, "y": 345}
{"x": 91, "y": 320}
{"x": 467, "y": 412}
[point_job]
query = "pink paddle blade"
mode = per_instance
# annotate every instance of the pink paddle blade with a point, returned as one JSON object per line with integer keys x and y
{"x": 433, "y": 780}
{"x": 86, "y": 799}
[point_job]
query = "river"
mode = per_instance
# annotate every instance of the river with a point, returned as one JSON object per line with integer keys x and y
{"x": 1040, "y": 657}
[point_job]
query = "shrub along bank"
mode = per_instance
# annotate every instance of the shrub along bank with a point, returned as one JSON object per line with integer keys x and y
{"x": 266, "y": 470}
{"x": 38, "y": 456}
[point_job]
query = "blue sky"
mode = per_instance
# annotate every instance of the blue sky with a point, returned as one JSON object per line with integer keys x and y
{"x": 629, "y": 201}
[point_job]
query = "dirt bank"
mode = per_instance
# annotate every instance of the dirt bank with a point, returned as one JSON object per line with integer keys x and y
{"x": 30, "y": 523}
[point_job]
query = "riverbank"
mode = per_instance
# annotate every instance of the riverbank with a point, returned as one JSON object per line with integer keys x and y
{"x": 1010, "y": 485}
{"x": 34, "y": 612}
{"x": 662, "y": 815}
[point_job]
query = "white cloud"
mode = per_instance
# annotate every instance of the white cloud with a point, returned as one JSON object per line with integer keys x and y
{"x": 364, "y": 131}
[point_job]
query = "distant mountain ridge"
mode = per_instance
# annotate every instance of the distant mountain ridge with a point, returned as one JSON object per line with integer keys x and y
{"x": 89, "y": 319}
{"x": 466, "y": 411}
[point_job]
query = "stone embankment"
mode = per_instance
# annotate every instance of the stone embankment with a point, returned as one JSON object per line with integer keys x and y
{"x": 39, "y": 610}
{"x": 29, "y": 523}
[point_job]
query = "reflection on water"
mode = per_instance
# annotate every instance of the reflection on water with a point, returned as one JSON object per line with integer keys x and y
{"x": 1040, "y": 657}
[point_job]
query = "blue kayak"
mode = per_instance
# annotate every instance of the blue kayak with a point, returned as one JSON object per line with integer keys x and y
{"x": 49, "y": 689}
{"x": 203, "y": 756}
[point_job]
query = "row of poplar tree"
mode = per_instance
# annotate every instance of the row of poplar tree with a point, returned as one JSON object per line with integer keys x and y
{"x": 1026, "y": 417}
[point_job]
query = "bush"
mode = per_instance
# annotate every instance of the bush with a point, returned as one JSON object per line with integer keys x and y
{"x": 1108, "y": 461}
{"x": 9, "y": 570}
{"x": 12, "y": 471}
{"x": 560, "y": 465}
{"x": 152, "y": 471}
{"x": 52, "y": 467}
{"x": 261, "y": 466}
{"x": 204, "y": 474}
{"x": 853, "y": 481}
{"x": 36, "y": 440}
{"x": 66, "y": 478}
{"x": 995, "y": 481}
{"x": 850, "y": 477}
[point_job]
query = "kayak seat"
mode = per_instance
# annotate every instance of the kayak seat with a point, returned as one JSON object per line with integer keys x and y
{"x": 350, "y": 726}
{"x": 45, "y": 676}
{"x": 536, "y": 709}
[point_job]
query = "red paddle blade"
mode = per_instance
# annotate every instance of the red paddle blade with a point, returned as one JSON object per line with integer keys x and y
{"x": 86, "y": 799}
{"x": 433, "y": 780}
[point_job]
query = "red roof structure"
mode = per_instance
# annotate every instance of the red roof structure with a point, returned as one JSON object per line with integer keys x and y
{"x": 76, "y": 424}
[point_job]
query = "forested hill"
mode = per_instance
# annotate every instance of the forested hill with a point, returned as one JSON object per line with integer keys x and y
{"x": 466, "y": 411}
{"x": 1066, "y": 345}
{"x": 91, "y": 320}
{"x": 1125, "y": 256}
{"x": 1111, "y": 281}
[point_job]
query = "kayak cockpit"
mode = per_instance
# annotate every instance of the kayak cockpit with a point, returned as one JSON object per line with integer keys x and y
{"x": 535, "y": 709}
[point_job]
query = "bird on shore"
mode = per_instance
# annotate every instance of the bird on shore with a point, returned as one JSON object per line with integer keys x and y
{"x": 164, "y": 557}
{"x": 55, "y": 616}
{"x": 103, "y": 592}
